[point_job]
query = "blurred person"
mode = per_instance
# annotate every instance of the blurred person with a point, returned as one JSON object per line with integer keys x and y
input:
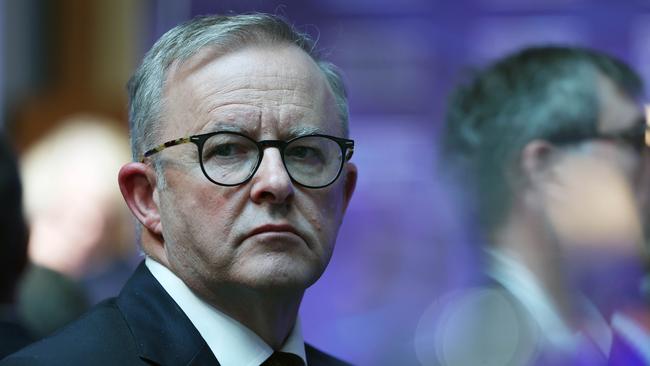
{"x": 550, "y": 140}
{"x": 13, "y": 251}
{"x": 240, "y": 181}
{"x": 632, "y": 322}
{"x": 80, "y": 244}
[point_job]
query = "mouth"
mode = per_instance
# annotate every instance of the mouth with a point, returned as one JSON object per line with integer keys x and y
{"x": 277, "y": 229}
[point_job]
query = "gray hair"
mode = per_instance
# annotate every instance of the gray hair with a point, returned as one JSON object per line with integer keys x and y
{"x": 227, "y": 33}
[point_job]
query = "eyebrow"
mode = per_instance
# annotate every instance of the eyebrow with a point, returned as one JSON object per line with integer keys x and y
{"x": 639, "y": 126}
{"x": 222, "y": 126}
{"x": 293, "y": 131}
{"x": 296, "y": 131}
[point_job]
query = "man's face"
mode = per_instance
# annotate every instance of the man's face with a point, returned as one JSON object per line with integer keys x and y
{"x": 596, "y": 206}
{"x": 268, "y": 233}
{"x": 600, "y": 180}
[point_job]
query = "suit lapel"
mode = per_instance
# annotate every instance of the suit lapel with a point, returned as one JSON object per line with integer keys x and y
{"x": 162, "y": 332}
{"x": 316, "y": 357}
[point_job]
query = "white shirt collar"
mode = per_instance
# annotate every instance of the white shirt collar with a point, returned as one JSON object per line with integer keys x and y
{"x": 521, "y": 283}
{"x": 231, "y": 342}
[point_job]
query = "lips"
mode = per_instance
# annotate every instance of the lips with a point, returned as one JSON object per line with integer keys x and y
{"x": 274, "y": 228}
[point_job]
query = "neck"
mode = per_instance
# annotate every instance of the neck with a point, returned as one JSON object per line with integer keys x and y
{"x": 528, "y": 239}
{"x": 270, "y": 314}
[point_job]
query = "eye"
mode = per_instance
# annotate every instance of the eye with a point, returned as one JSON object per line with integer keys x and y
{"x": 228, "y": 150}
{"x": 301, "y": 152}
{"x": 305, "y": 154}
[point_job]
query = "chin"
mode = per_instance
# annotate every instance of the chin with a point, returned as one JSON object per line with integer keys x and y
{"x": 281, "y": 275}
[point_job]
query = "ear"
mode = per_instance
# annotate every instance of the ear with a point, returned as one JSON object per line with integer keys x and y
{"x": 138, "y": 186}
{"x": 350, "y": 184}
{"x": 535, "y": 159}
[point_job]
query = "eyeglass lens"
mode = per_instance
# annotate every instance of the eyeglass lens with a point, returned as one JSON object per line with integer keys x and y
{"x": 231, "y": 159}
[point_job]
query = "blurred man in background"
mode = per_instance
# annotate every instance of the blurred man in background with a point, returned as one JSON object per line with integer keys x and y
{"x": 13, "y": 251}
{"x": 551, "y": 141}
{"x": 80, "y": 247}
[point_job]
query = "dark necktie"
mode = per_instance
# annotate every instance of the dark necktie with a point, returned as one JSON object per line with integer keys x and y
{"x": 283, "y": 359}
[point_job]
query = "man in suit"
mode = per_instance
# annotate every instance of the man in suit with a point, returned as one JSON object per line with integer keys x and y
{"x": 551, "y": 142}
{"x": 240, "y": 181}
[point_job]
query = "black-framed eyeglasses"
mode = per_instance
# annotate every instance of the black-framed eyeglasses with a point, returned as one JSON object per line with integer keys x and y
{"x": 231, "y": 158}
{"x": 638, "y": 136}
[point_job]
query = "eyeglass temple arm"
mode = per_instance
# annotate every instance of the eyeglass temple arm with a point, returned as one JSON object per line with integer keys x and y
{"x": 163, "y": 146}
{"x": 350, "y": 150}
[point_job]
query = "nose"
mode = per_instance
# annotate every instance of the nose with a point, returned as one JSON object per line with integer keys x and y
{"x": 271, "y": 182}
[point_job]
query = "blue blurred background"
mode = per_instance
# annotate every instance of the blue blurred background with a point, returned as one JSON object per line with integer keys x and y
{"x": 405, "y": 241}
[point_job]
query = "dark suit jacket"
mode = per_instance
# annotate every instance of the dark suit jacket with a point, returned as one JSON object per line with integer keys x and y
{"x": 143, "y": 325}
{"x": 12, "y": 338}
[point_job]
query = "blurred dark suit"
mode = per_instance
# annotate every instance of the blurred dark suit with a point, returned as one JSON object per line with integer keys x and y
{"x": 12, "y": 337}
{"x": 13, "y": 250}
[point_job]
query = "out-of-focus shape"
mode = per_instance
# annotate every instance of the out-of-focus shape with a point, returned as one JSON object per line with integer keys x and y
{"x": 550, "y": 142}
{"x": 647, "y": 122}
{"x": 13, "y": 251}
{"x": 81, "y": 242}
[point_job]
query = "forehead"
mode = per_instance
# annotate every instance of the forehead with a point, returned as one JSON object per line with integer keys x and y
{"x": 617, "y": 110}
{"x": 259, "y": 89}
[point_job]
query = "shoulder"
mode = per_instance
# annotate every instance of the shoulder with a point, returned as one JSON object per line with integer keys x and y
{"x": 316, "y": 357}
{"x": 99, "y": 337}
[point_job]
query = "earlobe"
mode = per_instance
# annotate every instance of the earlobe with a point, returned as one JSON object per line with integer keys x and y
{"x": 350, "y": 183}
{"x": 138, "y": 186}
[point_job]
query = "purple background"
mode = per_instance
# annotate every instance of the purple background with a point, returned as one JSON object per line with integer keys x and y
{"x": 404, "y": 242}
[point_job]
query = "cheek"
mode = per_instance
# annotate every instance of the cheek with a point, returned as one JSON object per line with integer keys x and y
{"x": 324, "y": 212}
{"x": 198, "y": 218}
{"x": 623, "y": 158}
{"x": 594, "y": 205}
{"x": 197, "y": 237}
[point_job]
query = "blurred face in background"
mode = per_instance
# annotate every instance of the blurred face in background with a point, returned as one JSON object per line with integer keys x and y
{"x": 79, "y": 224}
{"x": 596, "y": 183}
{"x": 596, "y": 198}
